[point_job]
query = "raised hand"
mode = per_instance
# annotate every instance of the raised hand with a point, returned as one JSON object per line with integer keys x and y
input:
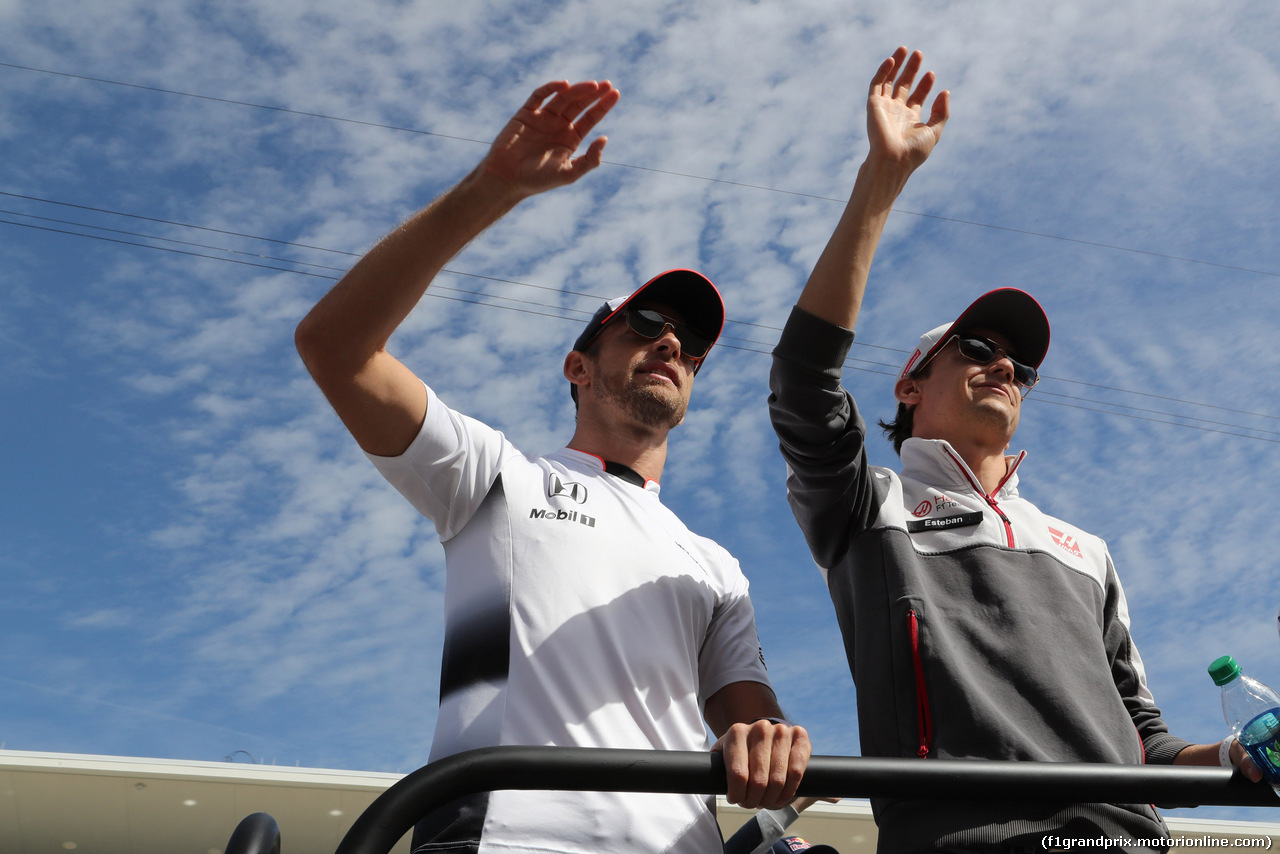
{"x": 899, "y": 143}
{"x": 535, "y": 151}
{"x": 894, "y": 126}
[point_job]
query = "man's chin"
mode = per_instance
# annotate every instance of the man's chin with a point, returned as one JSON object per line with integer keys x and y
{"x": 657, "y": 406}
{"x": 998, "y": 410}
{"x": 654, "y": 405}
{"x": 667, "y": 417}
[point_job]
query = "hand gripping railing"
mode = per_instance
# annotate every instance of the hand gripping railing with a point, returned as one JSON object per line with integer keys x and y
{"x": 394, "y": 812}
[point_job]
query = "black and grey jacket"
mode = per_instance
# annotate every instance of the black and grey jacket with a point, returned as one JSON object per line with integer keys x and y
{"x": 975, "y": 626}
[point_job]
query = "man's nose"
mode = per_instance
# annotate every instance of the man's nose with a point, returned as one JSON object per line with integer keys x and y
{"x": 1003, "y": 363}
{"x": 668, "y": 340}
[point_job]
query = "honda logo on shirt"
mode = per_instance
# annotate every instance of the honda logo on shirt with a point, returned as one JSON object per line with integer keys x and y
{"x": 557, "y": 487}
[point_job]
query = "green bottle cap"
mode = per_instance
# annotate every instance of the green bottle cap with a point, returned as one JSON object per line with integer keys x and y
{"x": 1224, "y": 670}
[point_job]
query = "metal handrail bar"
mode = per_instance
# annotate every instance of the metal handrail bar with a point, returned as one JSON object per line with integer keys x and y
{"x": 395, "y": 812}
{"x": 255, "y": 834}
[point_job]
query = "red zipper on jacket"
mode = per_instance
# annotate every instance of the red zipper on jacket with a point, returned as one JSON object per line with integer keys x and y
{"x": 924, "y": 724}
{"x": 977, "y": 487}
{"x": 1008, "y": 527}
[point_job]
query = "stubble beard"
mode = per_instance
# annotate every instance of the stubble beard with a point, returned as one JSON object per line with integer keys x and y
{"x": 645, "y": 404}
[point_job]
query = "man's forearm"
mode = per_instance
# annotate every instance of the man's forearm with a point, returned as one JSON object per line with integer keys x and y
{"x": 836, "y": 286}
{"x": 740, "y": 702}
{"x": 357, "y": 317}
{"x": 343, "y": 339}
{"x": 899, "y": 142}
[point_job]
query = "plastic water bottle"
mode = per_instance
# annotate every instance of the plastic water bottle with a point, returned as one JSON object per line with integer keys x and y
{"x": 1252, "y": 710}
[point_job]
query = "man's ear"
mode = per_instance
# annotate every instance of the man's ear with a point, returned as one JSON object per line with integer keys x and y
{"x": 577, "y": 368}
{"x": 907, "y": 390}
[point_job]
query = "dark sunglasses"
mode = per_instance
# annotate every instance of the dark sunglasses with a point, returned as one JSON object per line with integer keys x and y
{"x": 985, "y": 352}
{"x": 648, "y": 323}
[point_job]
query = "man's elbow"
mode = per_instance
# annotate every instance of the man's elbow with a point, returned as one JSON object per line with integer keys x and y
{"x": 305, "y": 338}
{"x": 316, "y": 348}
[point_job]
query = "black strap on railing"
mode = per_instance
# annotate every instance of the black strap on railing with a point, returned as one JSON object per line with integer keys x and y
{"x": 389, "y": 817}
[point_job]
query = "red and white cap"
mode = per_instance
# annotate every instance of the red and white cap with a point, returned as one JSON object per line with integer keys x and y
{"x": 687, "y": 291}
{"x": 1013, "y": 313}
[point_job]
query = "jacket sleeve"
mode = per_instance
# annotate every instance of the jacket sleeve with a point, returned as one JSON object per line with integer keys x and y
{"x": 821, "y": 435}
{"x": 1159, "y": 746}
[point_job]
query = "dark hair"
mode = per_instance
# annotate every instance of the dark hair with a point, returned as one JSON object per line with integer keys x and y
{"x": 900, "y": 428}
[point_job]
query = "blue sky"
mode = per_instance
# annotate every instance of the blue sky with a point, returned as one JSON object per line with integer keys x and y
{"x": 197, "y": 558}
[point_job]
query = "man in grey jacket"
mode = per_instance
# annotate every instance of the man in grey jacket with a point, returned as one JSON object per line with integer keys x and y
{"x": 976, "y": 626}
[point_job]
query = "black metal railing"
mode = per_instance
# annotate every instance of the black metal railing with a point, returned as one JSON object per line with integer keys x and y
{"x": 256, "y": 834}
{"x": 395, "y": 812}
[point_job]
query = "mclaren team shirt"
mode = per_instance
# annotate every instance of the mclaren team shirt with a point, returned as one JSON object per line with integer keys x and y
{"x": 579, "y": 612}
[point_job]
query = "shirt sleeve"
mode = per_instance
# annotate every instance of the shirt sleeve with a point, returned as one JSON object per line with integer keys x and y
{"x": 731, "y": 650}
{"x": 449, "y": 468}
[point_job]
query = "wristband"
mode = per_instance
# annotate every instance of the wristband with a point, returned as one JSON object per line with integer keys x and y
{"x": 1224, "y": 752}
{"x": 774, "y": 721}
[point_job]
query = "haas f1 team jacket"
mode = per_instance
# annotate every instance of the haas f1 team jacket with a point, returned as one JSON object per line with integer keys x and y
{"x": 976, "y": 627}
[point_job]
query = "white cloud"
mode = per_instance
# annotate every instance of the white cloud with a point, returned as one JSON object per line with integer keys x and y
{"x": 278, "y": 560}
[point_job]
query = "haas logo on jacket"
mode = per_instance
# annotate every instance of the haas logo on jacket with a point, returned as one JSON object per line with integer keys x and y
{"x": 939, "y": 502}
{"x": 1066, "y": 542}
{"x": 557, "y": 487}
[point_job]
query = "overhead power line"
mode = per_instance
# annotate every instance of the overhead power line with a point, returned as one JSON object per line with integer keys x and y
{"x": 761, "y": 326}
{"x": 533, "y": 307}
{"x": 691, "y": 176}
{"x": 234, "y": 102}
{"x": 171, "y": 222}
{"x": 557, "y": 311}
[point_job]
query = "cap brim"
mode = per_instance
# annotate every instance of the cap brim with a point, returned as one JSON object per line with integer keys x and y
{"x": 687, "y": 292}
{"x": 1010, "y": 312}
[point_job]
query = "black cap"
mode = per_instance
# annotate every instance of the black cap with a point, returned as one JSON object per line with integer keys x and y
{"x": 1013, "y": 313}
{"x": 686, "y": 291}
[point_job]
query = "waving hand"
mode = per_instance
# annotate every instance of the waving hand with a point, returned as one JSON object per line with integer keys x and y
{"x": 894, "y": 126}
{"x": 343, "y": 340}
{"x": 900, "y": 142}
{"x": 535, "y": 151}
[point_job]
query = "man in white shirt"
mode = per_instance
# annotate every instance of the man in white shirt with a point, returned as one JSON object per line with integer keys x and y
{"x": 579, "y": 610}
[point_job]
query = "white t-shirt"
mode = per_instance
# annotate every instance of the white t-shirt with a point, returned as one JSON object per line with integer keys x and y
{"x": 579, "y": 612}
